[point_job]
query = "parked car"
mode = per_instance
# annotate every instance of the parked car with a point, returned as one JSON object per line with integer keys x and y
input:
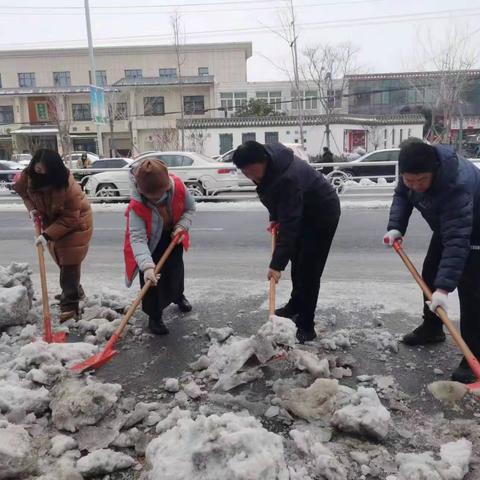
{"x": 103, "y": 164}
{"x": 354, "y": 169}
{"x": 201, "y": 174}
{"x": 9, "y": 171}
{"x": 22, "y": 159}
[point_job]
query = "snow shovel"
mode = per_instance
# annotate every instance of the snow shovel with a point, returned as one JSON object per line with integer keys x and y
{"x": 467, "y": 353}
{"x": 101, "y": 358}
{"x": 48, "y": 335}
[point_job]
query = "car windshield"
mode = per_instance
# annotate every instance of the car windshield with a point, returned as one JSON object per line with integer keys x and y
{"x": 207, "y": 159}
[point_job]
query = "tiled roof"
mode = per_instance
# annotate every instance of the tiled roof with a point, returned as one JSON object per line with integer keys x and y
{"x": 286, "y": 121}
{"x": 146, "y": 81}
{"x": 412, "y": 75}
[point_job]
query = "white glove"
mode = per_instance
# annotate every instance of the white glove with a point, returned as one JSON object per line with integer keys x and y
{"x": 439, "y": 299}
{"x": 391, "y": 236}
{"x": 33, "y": 214}
{"x": 41, "y": 241}
{"x": 177, "y": 230}
{"x": 149, "y": 275}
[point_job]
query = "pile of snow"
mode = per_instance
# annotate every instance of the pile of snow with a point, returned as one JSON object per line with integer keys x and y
{"x": 453, "y": 464}
{"x": 16, "y": 456}
{"x": 365, "y": 415}
{"x": 305, "y": 360}
{"x": 14, "y": 306}
{"x": 338, "y": 340}
{"x": 103, "y": 461}
{"x": 230, "y": 446}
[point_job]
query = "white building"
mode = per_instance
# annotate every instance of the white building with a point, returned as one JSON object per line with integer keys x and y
{"x": 214, "y": 136}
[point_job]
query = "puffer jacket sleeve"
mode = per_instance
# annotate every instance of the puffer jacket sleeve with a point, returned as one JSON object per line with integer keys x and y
{"x": 139, "y": 241}
{"x": 20, "y": 187}
{"x": 186, "y": 219}
{"x": 290, "y": 209}
{"x": 456, "y": 221}
{"x": 401, "y": 209}
{"x": 68, "y": 220}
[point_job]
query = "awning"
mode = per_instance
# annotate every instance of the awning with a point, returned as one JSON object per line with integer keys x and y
{"x": 35, "y": 131}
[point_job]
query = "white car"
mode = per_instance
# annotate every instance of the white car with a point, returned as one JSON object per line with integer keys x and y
{"x": 77, "y": 155}
{"x": 202, "y": 175}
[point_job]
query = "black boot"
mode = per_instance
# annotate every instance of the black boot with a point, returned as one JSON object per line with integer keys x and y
{"x": 184, "y": 305}
{"x": 286, "y": 312}
{"x": 424, "y": 334}
{"x": 463, "y": 373}
{"x": 156, "y": 325}
{"x": 304, "y": 335}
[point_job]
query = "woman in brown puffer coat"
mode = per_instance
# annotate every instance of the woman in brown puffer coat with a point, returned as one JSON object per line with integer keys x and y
{"x": 49, "y": 191}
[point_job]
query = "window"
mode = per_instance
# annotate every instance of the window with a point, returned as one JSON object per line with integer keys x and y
{"x": 203, "y": 71}
{"x": 133, "y": 74}
{"x": 271, "y": 137}
{"x": 101, "y": 77}
{"x": 378, "y": 157}
{"x": 334, "y": 98}
{"x": 26, "y": 80}
{"x": 6, "y": 114}
{"x": 273, "y": 98}
{"x": 81, "y": 111}
{"x": 120, "y": 111}
{"x": 393, "y": 137}
{"x": 1, "y": 81}
{"x": 153, "y": 106}
{"x": 167, "y": 73}
{"x": 194, "y": 105}
{"x": 226, "y": 143}
{"x": 61, "y": 79}
{"x": 409, "y": 132}
{"x": 248, "y": 136}
{"x": 231, "y": 100}
{"x": 401, "y": 135}
{"x": 308, "y": 100}
{"x": 176, "y": 160}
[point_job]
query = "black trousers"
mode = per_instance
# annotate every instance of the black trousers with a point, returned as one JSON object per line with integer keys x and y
{"x": 71, "y": 288}
{"x": 468, "y": 293}
{"x": 308, "y": 265}
{"x": 170, "y": 287}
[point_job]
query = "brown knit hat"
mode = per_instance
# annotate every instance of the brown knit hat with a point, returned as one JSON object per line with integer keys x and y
{"x": 152, "y": 178}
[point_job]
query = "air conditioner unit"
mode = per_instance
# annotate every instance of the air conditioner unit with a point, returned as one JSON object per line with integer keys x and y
{"x": 87, "y": 129}
{"x": 74, "y": 129}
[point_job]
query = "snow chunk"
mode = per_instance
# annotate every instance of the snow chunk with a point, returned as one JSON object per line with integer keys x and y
{"x": 19, "y": 396}
{"x": 219, "y": 334}
{"x": 17, "y": 274}
{"x": 75, "y": 404}
{"x": 217, "y": 447}
{"x": 337, "y": 340}
{"x": 171, "y": 420}
{"x": 447, "y": 391}
{"x": 14, "y": 306}
{"x": 280, "y": 330}
{"x": 104, "y": 461}
{"x": 16, "y": 456}
{"x": 322, "y": 460}
{"x": 62, "y": 443}
{"x": 193, "y": 390}
{"x": 171, "y": 385}
{"x": 453, "y": 464}
{"x": 365, "y": 415}
{"x": 312, "y": 403}
{"x": 305, "y": 360}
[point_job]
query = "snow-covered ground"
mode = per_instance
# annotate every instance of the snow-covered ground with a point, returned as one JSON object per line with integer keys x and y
{"x": 316, "y": 416}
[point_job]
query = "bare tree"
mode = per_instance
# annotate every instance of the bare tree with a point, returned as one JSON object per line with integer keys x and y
{"x": 374, "y": 135}
{"x": 165, "y": 139}
{"x": 59, "y": 114}
{"x": 196, "y": 140}
{"x": 451, "y": 59}
{"x": 327, "y": 67}
{"x": 178, "y": 39}
{"x": 117, "y": 109}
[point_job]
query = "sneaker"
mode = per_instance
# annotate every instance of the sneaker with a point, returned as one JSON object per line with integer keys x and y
{"x": 156, "y": 326}
{"x": 184, "y": 305}
{"x": 424, "y": 335}
{"x": 305, "y": 335}
{"x": 286, "y": 312}
{"x": 463, "y": 373}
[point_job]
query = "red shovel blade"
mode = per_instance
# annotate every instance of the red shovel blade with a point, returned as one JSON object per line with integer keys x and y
{"x": 474, "y": 387}
{"x": 97, "y": 360}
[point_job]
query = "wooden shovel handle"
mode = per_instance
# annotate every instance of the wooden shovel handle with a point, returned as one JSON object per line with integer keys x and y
{"x": 133, "y": 307}
{"x": 273, "y": 285}
{"x": 428, "y": 293}
{"x": 43, "y": 271}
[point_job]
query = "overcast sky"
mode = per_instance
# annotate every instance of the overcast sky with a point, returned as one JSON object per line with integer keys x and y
{"x": 386, "y": 32}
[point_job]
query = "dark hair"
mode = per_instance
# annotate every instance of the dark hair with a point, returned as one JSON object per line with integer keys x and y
{"x": 417, "y": 157}
{"x": 325, "y": 149}
{"x": 249, "y": 153}
{"x": 56, "y": 175}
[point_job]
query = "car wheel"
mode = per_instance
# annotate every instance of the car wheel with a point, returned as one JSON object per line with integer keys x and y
{"x": 196, "y": 189}
{"x": 107, "y": 190}
{"x": 337, "y": 179}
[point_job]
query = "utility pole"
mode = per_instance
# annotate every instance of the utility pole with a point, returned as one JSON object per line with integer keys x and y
{"x": 300, "y": 101}
{"x": 93, "y": 70}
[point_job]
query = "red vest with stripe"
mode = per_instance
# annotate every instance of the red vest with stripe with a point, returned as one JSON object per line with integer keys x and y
{"x": 145, "y": 213}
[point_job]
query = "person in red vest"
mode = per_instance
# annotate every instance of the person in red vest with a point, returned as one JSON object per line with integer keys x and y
{"x": 160, "y": 209}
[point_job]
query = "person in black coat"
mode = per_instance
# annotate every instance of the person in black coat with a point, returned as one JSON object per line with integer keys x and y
{"x": 306, "y": 210}
{"x": 445, "y": 188}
